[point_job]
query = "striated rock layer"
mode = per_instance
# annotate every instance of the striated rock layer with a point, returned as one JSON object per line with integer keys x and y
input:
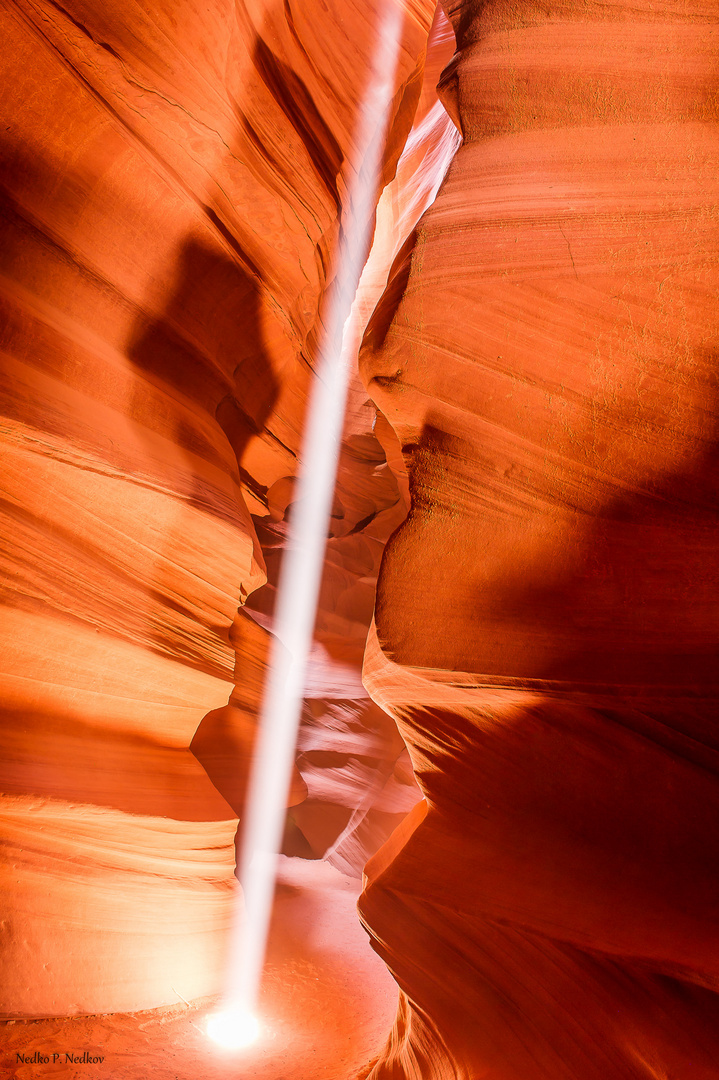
{"x": 546, "y": 618}
{"x": 356, "y": 767}
{"x": 174, "y": 182}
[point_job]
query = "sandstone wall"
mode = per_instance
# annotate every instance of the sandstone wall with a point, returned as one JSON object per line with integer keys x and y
{"x": 546, "y": 617}
{"x": 174, "y": 177}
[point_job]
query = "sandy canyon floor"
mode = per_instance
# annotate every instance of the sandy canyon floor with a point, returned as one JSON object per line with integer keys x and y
{"x": 327, "y": 1004}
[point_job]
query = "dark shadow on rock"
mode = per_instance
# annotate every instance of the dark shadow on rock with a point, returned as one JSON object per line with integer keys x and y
{"x": 208, "y": 346}
{"x": 294, "y": 100}
{"x": 204, "y": 353}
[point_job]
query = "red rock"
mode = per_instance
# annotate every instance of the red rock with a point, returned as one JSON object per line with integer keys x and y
{"x": 172, "y": 186}
{"x": 542, "y": 357}
{"x": 546, "y": 616}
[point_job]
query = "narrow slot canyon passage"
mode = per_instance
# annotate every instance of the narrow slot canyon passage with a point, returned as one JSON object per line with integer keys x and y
{"x": 501, "y": 836}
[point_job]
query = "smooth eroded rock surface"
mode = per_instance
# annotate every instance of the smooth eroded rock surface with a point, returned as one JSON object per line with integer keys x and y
{"x": 174, "y": 180}
{"x": 546, "y": 619}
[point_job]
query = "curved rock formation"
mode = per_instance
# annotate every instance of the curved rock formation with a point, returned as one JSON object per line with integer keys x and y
{"x": 356, "y": 767}
{"x": 546, "y": 617}
{"x": 173, "y": 186}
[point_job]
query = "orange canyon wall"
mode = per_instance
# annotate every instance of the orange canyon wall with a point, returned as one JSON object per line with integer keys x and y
{"x": 174, "y": 179}
{"x": 546, "y": 618}
{"x": 543, "y": 362}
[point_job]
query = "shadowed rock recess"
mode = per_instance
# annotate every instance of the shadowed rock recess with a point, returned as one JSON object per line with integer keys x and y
{"x": 525, "y": 517}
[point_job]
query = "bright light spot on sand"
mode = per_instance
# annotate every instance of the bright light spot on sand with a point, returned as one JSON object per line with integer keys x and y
{"x": 301, "y": 569}
{"x": 233, "y": 1028}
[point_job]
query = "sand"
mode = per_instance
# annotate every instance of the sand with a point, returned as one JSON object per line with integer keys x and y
{"x": 327, "y": 1003}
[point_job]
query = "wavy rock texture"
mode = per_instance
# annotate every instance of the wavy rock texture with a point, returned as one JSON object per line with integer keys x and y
{"x": 355, "y": 765}
{"x": 173, "y": 183}
{"x": 546, "y": 618}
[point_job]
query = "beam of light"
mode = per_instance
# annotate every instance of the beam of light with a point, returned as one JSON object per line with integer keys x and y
{"x": 301, "y": 570}
{"x": 233, "y": 1028}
